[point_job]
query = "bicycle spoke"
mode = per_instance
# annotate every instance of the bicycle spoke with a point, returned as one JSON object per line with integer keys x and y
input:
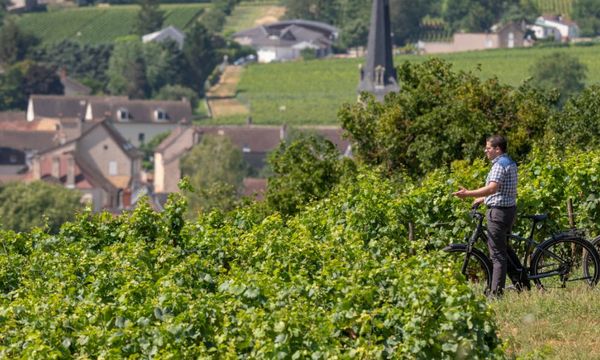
{"x": 559, "y": 262}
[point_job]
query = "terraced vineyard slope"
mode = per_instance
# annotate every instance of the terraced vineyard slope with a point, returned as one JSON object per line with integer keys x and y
{"x": 311, "y": 92}
{"x": 100, "y": 24}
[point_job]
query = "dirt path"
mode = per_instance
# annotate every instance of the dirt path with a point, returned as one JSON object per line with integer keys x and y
{"x": 221, "y": 97}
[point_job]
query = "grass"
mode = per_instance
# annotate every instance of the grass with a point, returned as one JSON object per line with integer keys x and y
{"x": 100, "y": 24}
{"x": 311, "y": 92}
{"x": 249, "y": 14}
{"x": 557, "y": 324}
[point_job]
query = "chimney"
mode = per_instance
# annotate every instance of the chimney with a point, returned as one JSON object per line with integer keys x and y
{"x": 55, "y": 172}
{"x": 70, "y": 172}
{"x": 36, "y": 168}
{"x": 126, "y": 198}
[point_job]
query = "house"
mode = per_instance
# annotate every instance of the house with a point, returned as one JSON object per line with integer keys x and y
{"x": 508, "y": 36}
{"x": 555, "y": 27}
{"x": 254, "y": 141}
{"x": 285, "y": 40}
{"x": 19, "y": 141}
{"x": 100, "y": 163}
{"x": 138, "y": 121}
{"x": 169, "y": 33}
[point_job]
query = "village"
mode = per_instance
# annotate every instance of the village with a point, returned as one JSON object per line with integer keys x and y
{"x": 91, "y": 143}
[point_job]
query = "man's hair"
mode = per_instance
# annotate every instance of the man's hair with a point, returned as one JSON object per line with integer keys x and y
{"x": 498, "y": 141}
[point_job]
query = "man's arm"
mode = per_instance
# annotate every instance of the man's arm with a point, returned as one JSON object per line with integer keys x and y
{"x": 490, "y": 189}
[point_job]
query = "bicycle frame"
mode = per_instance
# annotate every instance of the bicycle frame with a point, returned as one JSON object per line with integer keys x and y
{"x": 530, "y": 245}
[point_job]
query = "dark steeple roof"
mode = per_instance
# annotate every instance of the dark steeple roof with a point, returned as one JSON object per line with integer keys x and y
{"x": 378, "y": 76}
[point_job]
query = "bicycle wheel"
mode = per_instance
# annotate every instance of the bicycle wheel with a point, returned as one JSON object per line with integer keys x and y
{"x": 566, "y": 261}
{"x": 479, "y": 266}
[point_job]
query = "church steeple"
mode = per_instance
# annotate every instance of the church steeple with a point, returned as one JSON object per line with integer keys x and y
{"x": 378, "y": 76}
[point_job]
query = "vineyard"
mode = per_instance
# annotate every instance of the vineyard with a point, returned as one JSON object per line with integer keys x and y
{"x": 311, "y": 92}
{"x": 562, "y": 7}
{"x": 339, "y": 279}
{"x": 100, "y": 24}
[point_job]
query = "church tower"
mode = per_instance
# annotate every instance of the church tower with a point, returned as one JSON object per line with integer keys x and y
{"x": 378, "y": 75}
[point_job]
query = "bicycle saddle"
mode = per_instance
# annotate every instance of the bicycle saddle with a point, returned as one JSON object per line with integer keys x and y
{"x": 537, "y": 217}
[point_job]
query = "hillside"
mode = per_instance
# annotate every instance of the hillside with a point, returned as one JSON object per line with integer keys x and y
{"x": 100, "y": 24}
{"x": 555, "y": 6}
{"x": 311, "y": 92}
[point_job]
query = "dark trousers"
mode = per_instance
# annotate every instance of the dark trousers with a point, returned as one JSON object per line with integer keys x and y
{"x": 499, "y": 225}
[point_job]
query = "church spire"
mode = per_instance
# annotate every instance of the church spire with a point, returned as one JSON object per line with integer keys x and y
{"x": 378, "y": 76}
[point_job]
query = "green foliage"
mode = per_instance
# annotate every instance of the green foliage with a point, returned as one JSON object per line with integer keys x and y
{"x": 336, "y": 280}
{"x": 441, "y": 116}
{"x": 587, "y": 15}
{"x": 150, "y": 18}
{"x": 578, "y": 125}
{"x": 96, "y": 25}
{"x": 14, "y": 42}
{"x": 559, "y": 71}
{"x": 87, "y": 62}
{"x": 216, "y": 170}
{"x": 303, "y": 171}
{"x": 178, "y": 92}
{"x": 300, "y": 93}
{"x": 148, "y": 149}
{"x": 26, "y": 78}
{"x": 200, "y": 55}
{"x": 127, "y": 69}
{"x": 25, "y": 206}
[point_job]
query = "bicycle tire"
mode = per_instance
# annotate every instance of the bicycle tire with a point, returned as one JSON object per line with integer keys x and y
{"x": 479, "y": 274}
{"x": 565, "y": 260}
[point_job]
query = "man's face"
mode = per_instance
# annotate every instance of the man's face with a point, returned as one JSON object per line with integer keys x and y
{"x": 492, "y": 152}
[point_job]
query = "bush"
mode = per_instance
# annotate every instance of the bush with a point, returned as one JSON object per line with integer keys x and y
{"x": 337, "y": 280}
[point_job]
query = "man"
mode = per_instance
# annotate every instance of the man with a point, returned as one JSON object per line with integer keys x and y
{"x": 499, "y": 195}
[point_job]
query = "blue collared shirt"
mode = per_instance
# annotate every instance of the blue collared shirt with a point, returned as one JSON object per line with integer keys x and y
{"x": 504, "y": 173}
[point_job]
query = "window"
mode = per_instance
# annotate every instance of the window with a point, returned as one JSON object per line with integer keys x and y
{"x": 122, "y": 114}
{"x": 112, "y": 168}
{"x": 160, "y": 115}
{"x": 141, "y": 138}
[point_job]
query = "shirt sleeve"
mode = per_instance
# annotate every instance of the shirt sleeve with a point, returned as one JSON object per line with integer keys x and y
{"x": 496, "y": 174}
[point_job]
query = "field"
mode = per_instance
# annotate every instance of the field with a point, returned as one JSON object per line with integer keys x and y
{"x": 311, "y": 92}
{"x": 563, "y": 7}
{"x": 560, "y": 324}
{"x": 249, "y": 14}
{"x": 100, "y": 24}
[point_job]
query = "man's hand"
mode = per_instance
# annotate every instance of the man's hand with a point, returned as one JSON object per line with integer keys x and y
{"x": 462, "y": 193}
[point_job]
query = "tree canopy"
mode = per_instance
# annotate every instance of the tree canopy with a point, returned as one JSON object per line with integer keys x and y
{"x": 216, "y": 170}
{"x": 560, "y": 71}
{"x": 37, "y": 204}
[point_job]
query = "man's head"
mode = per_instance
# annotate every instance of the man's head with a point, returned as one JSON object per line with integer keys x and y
{"x": 495, "y": 146}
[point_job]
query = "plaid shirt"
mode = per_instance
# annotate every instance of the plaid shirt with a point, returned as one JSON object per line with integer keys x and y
{"x": 503, "y": 172}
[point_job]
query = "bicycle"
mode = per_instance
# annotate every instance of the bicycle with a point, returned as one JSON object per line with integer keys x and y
{"x": 565, "y": 257}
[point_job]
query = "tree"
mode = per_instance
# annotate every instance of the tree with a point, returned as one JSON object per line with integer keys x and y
{"x": 85, "y": 62}
{"x": 14, "y": 43}
{"x": 304, "y": 170}
{"x": 216, "y": 170}
{"x": 319, "y": 10}
{"x": 127, "y": 69}
{"x": 26, "y": 78}
{"x": 150, "y": 18}
{"x": 560, "y": 71}
{"x": 178, "y": 92}
{"x": 441, "y": 116}
{"x": 200, "y": 56}
{"x": 24, "y": 206}
{"x": 587, "y": 15}
{"x": 578, "y": 124}
{"x": 406, "y": 18}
